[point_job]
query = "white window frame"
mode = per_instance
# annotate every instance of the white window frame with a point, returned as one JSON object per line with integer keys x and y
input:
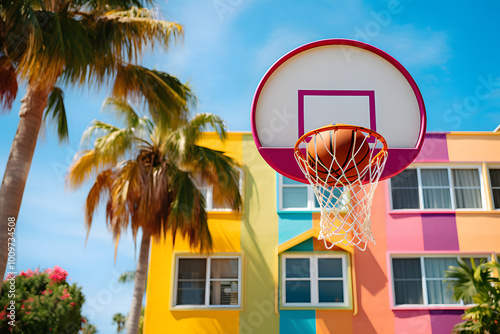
{"x": 207, "y": 304}
{"x": 424, "y": 279}
{"x": 451, "y": 187}
{"x": 311, "y": 199}
{"x": 491, "y": 186}
{"x": 313, "y": 278}
{"x": 210, "y": 191}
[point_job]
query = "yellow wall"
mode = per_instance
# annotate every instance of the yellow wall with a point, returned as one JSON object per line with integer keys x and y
{"x": 259, "y": 237}
{"x": 226, "y": 230}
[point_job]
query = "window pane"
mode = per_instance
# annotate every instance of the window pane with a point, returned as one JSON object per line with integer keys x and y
{"x": 495, "y": 177}
{"x": 295, "y": 197}
{"x": 495, "y": 185}
{"x": 434, "y": 177}
{"x": 437, "y": 199}
{"x": 192, "y": 268}
{"x": 496, "y": 198}
{"x": 297, "y": 268}
{"x": 477, "y": 261}
{"x": 465, "y": 177}
{"x": 435, "y": 267}
{"x": 468, "y": 198}
{"x": 298, "y": 292}
{"x": 407, "y": 281}
{"x": 224, "y": 268}
{"x": 408, "y": 292}
{"x": 331, "y": 291}
{"x": 405, "y": 179}
{"x": 191, "y": 293}
{"x": 330, "y": 267}
{"x": 438, "y": 293}
{"x": 406, "y": 268}
{"x": 404, "y": 188}
{"x": 405, "y": 199}
{"x": 224, "y": 293}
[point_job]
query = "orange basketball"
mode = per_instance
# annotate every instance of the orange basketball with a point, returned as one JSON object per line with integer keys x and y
{"x": 351, "y": 152}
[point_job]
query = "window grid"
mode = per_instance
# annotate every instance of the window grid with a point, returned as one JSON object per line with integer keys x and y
{"x": 314, "y": 279}
{"x": 208, "y": 279}
{"x": 424, "y": 279}
{"x": 451, "y": 188}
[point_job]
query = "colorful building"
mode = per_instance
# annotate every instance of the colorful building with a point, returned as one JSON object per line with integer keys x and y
{"x": 268, "y": 273}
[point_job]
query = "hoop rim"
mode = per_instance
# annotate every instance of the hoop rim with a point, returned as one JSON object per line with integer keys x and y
{"x": 336, "y": 127}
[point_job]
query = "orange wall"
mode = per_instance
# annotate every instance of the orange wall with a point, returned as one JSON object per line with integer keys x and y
{"x": 473, "y": 147}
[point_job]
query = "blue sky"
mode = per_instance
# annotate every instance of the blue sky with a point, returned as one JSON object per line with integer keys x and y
{"x": 450, "y": 49}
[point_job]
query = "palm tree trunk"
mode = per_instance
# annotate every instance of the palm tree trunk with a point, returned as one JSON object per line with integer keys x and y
{"x": 19, "y": 162}
{"x": 139, "y": 285}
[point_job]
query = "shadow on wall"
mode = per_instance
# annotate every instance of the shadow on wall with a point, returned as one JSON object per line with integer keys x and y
{"x": 371, "y": 279}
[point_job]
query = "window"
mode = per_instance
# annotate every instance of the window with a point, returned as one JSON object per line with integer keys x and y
{"x": 210, "y": 193}
{"x": 314, "y": 280}
{"x": 296, "y": 195}
{"x": 208, "y": 282}
{"x": 421, "y": 281}
{"x": 300, "y": 196}
{"x": 437, "y": 188}
{"x": 495, "y": 187}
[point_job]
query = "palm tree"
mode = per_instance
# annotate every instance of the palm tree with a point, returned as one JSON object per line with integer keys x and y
{"x": 147, "y": 179}
{"x": 49, "y": 44}
{"x": 119, "y": 319}
{"x": 478, "y": 284}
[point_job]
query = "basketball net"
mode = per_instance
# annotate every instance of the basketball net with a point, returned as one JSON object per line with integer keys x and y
{"x": 345, "y": 200}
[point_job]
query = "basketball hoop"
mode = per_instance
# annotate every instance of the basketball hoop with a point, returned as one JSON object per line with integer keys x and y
{"x": 343, "y": 163}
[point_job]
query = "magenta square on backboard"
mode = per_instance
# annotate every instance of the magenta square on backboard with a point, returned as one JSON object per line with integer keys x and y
{"x": 368, "y": 93}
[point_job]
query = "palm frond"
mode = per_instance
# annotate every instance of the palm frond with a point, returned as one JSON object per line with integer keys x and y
{"x": 99, "y": 5}
{"x": 220, "y": 171}
{"x": 57, "y": 113}
{"x": 188, "y": 214}
{"x": 461, "y": 280}
{"x": 99, "y": 193}
{"x": 191, "y": 132}
{"x": 8, "y": 82}
{"x": 129, "y": 32}
{"x": 110, "y": 142}
{"x": 165, "y": 97}
{"x": 142, "y": 125}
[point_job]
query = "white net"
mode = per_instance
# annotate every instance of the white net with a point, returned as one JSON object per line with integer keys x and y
{"x": 344, "y": 187}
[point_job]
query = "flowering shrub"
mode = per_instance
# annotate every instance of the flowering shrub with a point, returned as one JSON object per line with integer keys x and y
{"x": 43, "y": 302}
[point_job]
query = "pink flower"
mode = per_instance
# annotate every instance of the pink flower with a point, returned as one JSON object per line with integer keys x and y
{"x": 23, "y": 274}
{"x": 9, "y": 276}
{"x": 29, "y": 273}
{"x": 37, "y": 271}
{"x": 72, "y": 303}
{"x": 63, "y": 297}
{"x": 65, "y": 291}
{"x": 58, "y": 274}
